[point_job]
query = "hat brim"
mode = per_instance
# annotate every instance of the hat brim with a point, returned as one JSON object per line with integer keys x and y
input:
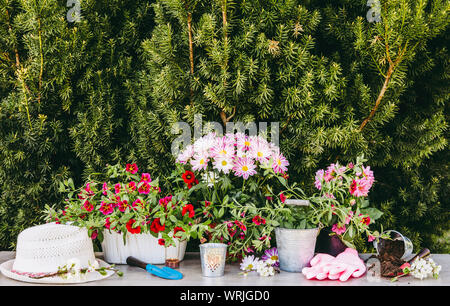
{"x": 6, "y": 268}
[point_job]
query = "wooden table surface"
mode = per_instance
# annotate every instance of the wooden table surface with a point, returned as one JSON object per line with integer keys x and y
{"x": 191, "y": 269}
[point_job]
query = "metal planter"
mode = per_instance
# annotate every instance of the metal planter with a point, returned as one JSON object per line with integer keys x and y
{"x": 295, "y": 247}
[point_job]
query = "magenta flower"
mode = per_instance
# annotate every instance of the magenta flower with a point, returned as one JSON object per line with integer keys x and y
{"x": 144, "y": 188}
{"x": 319, "y": 177}
{"x": 117, "y": 188}
{"x": 371, "y": 238}
{"x": 137, "y": 203}
{"x": 106, "y": 208}
{"x": 88, "y": 205}
{"x": 105, "y": 188}
{"x": 244, "y": 166}
{"x": 146, "y": 177}
{"x": 338, "y": 229}
{"x": 122, "y": 205}
{"x": 271, "y": 256}
{"x": 132, "y": 168}
{"x": 282, "y": 198}
{"x": 131, "y": 186}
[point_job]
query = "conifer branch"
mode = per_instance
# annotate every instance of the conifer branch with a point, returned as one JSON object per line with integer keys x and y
{"x": 41, "y": 71}
{"x": 387, "y": 79}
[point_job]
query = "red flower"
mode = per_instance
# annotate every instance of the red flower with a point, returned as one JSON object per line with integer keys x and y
{"x": 107, "y": 223}
{"x": 161, "y": 242}
{"x": 353, "y": 187}
{"x": 258, "y": 220}
{"x": 188, "y": 177}
{"x": 192, "y": 184}
{"x": 366, "y": 220}
{"x": 156, "y": 226}
{"x": 188, "y": 209}
{"x": 282, "y": 198}
{"x": 131, "y": 229}
{"x": 177, "y": 229}
{"x": 132, "y": 168}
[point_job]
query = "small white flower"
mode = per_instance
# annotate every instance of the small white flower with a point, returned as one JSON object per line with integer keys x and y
{"x": 249, "y": 263}
{"x": 423, "y": 268}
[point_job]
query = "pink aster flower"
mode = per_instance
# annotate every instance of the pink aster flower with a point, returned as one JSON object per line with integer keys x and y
{"x": 222, "y": 148}
{"x": 338, "y": 229}
{"x": 280, "y": 163}
{"x": 244, "y": 166}
{"x": 185, "y": 155}
{"x": 260, "y": 150}
{"x": 106, "y": 208}
{"x": 367, "y": 175}
{"x": 360, "y": 187}
{"x": 319, "y": 177}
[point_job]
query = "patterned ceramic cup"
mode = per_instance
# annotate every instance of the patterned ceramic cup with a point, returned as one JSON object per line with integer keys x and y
{"x": 213, "y": 257}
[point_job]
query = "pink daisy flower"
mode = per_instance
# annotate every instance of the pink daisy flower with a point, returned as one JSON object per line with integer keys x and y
{"x": 223, "y": 164}
{"x": 244, "y": 166}
{"x": 185, "y": 155}
{"x": 280, "y": 163}
{"x": 260, "y": 150}
{"x": 199, "y": 162}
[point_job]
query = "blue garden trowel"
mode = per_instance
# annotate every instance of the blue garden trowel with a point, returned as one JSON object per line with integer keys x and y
{"x": 164, "y": 272}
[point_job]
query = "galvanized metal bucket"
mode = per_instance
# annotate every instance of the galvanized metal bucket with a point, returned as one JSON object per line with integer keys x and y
{"x": 295, "y": 247}
{"x": 213, "y": 257}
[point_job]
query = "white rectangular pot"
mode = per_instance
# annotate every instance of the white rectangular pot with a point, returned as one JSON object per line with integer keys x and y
{"x": 143, "y": 246}
{"x": 295, "y": 247}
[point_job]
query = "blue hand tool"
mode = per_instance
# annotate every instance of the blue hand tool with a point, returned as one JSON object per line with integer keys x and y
{"x": 164, "y": 272}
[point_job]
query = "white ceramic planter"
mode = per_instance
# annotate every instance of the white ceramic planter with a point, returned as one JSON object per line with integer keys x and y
{"x": 295, "y": 247}
{"x": 144, "y": 247}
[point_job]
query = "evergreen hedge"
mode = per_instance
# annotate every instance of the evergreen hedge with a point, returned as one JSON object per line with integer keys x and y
{"x": 107, "y": 89}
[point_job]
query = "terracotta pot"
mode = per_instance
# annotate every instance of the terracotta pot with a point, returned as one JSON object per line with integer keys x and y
{"x": 329, "y": 244}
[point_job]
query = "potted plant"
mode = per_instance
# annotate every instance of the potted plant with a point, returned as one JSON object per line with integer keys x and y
{"x": 341, "y": 206}
{"x": 296, "y": 231}
{"x": 128, "y": 214}
{"x": 232, "y": 181}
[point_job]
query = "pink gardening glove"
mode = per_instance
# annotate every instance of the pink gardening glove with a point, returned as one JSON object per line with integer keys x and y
{"x": 319, "y": 265}
{"x": 345, "y": 265}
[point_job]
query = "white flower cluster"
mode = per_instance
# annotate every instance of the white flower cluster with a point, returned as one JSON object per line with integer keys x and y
{"x": 262, "y": 267}
{"x": 423, "y": 268}
{"x": 74, "y": 271}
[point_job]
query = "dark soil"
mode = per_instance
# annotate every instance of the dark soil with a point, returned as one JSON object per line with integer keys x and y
{"x": 390, "y": 253}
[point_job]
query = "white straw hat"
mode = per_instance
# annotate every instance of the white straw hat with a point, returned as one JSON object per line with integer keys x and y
{"x": 43, "y": 249}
